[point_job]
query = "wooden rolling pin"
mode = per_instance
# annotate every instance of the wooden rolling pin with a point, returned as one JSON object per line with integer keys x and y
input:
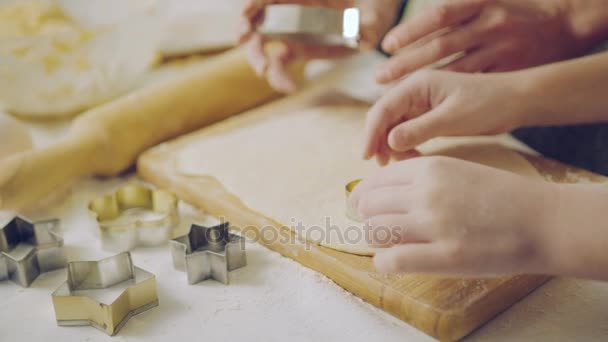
{"x": 107, "y": 140}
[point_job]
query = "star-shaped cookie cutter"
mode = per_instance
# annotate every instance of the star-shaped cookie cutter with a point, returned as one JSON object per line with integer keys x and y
{"x": 104, "y": 294}
{"x": 135, "y": 215}
{"x": 28, "y": 249}
{"x": 208, "y": 252}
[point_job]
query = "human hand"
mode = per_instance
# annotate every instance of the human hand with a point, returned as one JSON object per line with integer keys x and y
{"x": 377, "y": 16}
{"x": 432, "y": 103}
{"x": 497, "y": 35}
{"x": 440, "y": 215}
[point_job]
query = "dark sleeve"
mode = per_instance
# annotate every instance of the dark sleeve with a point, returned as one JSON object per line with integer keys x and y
{"x": 583, "y": 146}
{"x": 398, "y": 19}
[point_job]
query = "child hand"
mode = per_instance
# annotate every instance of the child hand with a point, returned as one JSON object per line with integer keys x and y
{"x": 431, "y": 103}
{"x": 446, "y": 216}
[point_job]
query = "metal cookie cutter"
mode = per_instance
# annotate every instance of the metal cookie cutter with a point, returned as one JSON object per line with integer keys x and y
{"x": 135, "y": 215}
{"x": 315, "y": 25}
{"x": 28, "y": 249}
{"x": 351, "y": 212}
{"x": 104, "y": 293}
{"x": 208, "y": 253}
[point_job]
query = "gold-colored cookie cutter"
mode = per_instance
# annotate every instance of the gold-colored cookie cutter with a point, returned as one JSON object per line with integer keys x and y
{"x": 135, "y": 215}
{"x": 351, "y": 212}
{"x": 104, "y": 294}
{"x": 28, "y": 249}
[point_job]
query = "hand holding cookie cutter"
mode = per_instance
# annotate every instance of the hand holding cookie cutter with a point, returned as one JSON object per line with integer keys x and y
{"x": 104, "y": 293}
{"x": 28, "y": 249}
{"x": 135, "y": 215}
{"x": 208, "y": 253}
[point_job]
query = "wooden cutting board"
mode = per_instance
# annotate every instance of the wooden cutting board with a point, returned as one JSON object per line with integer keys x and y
{"x": 447, "y": 309}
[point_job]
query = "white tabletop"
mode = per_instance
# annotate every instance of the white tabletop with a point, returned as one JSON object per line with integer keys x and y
{"x": 272, "y": 299}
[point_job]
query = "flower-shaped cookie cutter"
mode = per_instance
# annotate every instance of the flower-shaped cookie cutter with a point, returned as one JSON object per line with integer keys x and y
{"x": 28, "y": 249}
{"x": 104, "y": 293}
{"x": 208, "y": 252}
{"x": 135, "y": 215}
{"x": 351, "y": 212}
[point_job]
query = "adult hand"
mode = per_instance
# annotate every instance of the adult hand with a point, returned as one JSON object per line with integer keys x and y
{"x": 497, "y": 35}
{"x": 377, "y": 16}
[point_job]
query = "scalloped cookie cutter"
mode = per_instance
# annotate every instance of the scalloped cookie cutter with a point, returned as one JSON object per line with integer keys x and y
{"x": 313, "y": 25}
{"x": 351, "y": 212}
{"x": 28, "y": 249}
{"x": 135, "y": 215}
{"x": 208, "y": 253}
{"x": 104, "y": 294}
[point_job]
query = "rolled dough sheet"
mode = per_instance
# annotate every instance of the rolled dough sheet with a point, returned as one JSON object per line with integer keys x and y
{"x": 293, "y": 167}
